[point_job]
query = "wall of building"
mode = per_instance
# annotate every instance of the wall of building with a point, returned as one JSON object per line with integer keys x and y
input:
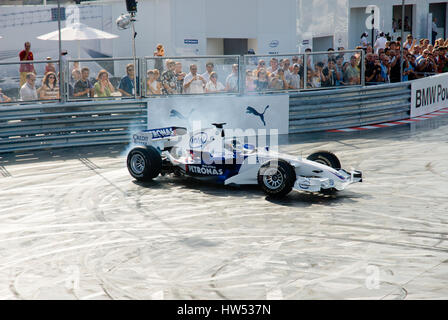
{"x": 357, "y": 15}
{"x": 184, "y": 26}
{"x": 322, "y": 19}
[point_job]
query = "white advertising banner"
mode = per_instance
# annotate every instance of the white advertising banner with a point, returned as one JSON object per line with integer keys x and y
{"x": 429, "y": 95}
{"x": 249, "y": 112}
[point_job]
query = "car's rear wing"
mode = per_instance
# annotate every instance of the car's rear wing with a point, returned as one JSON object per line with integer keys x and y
{"x": 148, "y": 136}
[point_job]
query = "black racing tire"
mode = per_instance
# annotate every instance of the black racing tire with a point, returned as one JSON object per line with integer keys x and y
{"x": 276, "y": 178}
{"x": 327, "y": 158}
{"x": 144, "y": 163}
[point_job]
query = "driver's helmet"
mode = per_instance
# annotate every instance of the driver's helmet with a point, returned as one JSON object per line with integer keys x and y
{"x": 233, "y": 145}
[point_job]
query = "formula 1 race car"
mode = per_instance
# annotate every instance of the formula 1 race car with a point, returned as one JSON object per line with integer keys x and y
{"x": 208, "y": 155}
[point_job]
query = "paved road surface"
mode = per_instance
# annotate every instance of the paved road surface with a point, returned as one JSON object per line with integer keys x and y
{"x": 74, "y": 225}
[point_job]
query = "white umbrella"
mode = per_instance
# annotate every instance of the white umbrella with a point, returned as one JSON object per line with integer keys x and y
{"x": 77, "y": 32}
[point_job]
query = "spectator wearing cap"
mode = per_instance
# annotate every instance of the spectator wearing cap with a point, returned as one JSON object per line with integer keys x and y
{"x": 50, "y": 66}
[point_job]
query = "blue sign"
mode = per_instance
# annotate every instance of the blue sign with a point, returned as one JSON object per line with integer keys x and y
{"x": 191, "y": 41}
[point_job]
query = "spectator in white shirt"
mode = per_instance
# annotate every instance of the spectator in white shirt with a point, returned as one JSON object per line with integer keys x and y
{"x": 364, "y": 42}
{"x": 214, "y": 85}
{"x": 284, "y": 64}
{"x": 232, "y": 80}
{"x": 294, "y": 82}
{"x": 194, "y": 83}
{"x": 28, "y": 91}
{"x": 274, "y": 66}
{"x": 434, "y": 30}
{"x": 410, "y": 42}
{"x": 380, "y": 43}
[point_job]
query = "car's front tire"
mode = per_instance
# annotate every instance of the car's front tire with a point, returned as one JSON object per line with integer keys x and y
{"x": 144, "y": 163}
{"x": 276, "y": 178}
{"x": 327, "y": 158}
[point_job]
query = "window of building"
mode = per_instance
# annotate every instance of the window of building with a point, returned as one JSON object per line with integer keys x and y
{"x": 397, "y": 16}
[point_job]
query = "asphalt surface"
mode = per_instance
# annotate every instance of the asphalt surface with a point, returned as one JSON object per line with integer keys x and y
{"x": 75, "y": 225}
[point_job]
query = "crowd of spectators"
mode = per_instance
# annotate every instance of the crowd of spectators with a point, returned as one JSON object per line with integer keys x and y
{"x": 339, "y": 68}
{"x": 173, "y": 80}
{"x": 420, "y": 59}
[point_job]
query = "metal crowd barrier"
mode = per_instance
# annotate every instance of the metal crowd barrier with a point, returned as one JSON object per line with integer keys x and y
{"x": 335, "y": 109}
{"x": 26, "y": 126}
{"x": 46, "y": 126}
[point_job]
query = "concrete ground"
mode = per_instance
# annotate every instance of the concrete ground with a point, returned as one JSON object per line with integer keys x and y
{"x": 75, "y": 225}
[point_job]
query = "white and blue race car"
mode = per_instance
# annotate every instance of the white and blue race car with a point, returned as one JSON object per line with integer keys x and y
{"x": 208, "y": 155}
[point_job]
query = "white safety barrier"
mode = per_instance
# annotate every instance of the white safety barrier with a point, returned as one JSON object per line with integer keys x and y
{"x": 429, "y": 95}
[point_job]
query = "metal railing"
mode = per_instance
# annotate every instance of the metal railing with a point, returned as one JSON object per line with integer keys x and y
{"x": 47, "y": 124}
{"x": 13, "y": 77}
{"x": 335, "y": 109}
{"x": 234, "y": 75}
{"x": 44, "y": 126}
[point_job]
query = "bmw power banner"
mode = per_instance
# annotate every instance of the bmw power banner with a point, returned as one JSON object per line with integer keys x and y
{"x": 270, "y": 112}
{"x": 429, "y": 95}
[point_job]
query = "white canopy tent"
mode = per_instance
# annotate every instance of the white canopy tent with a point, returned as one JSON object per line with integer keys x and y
{"x": 77, "y": 32}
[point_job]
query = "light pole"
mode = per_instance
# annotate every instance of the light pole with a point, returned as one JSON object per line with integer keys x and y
{"x": 134, "y": 34}
{"x": 373, "y": 27}
{"x": 402, "y": 38}
{"x": 61, "y": 67}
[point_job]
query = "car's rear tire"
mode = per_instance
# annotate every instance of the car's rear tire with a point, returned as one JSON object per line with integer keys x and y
{"x": 327, "y": 158}
{"x": 276, "y": 178}
{"x": 144, "y": 163}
